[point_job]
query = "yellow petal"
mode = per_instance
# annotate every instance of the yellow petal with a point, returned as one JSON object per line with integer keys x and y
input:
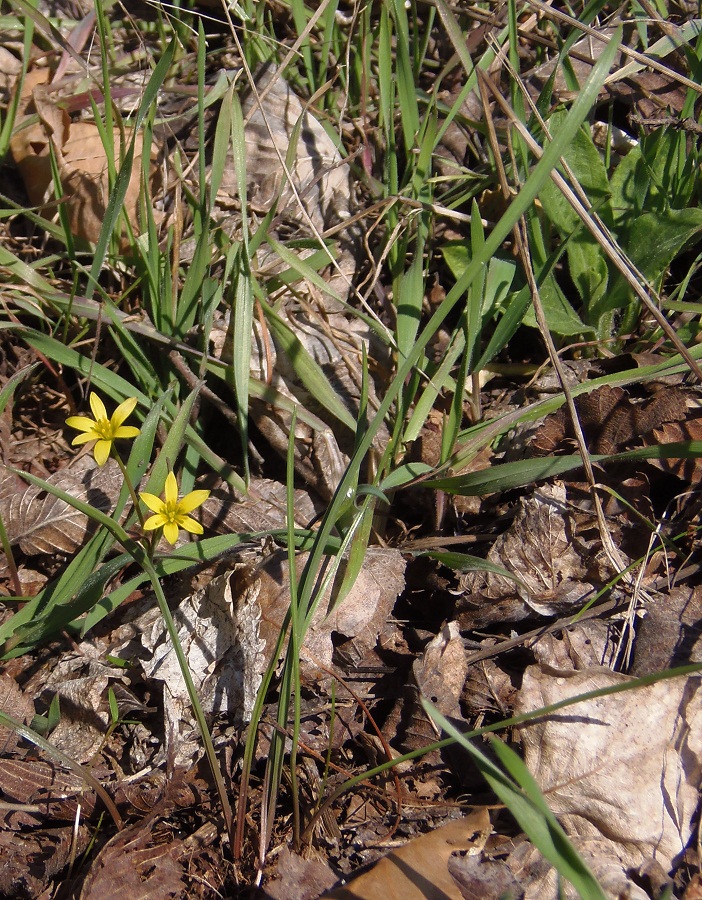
{"x": 170, "y": 532}
{"x": 123, "y": 410}
{"x": 81, "y": 423}
{"x": 192, "y": 500}
{"x": 190, "y": 525}
{"x": 153, "y": 522}
{"x": 101, "y": 451}
{"x": 98, "y": 407}
{"x": 84, "y": 438}
{"x": 125, "y": 431}
{"x": 170, "y": 490}
{"x": 154, "y": 503}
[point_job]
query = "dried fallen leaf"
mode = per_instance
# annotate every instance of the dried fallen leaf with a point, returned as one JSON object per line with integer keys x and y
{"x": 229, "y": 627}
{"x": 15, "y": 703}
{"x": 689, "y": 470}
{"x": 623, "y": 769}
{"x": 29, "y": 862}
{"x": 420, "y": 869}
{"x": 80, "y": 155}
{"x": 538, "y": 550}
{"x": 80, "y": 682}
{"x": 41, "y": 523}
{"x": 441, "y": 671}
{"x": 298, "y": 878}
{"x": 134, "y": 864}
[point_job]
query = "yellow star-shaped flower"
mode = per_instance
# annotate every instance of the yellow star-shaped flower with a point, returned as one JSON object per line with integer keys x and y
{"x": 172, "y": 513}
{"x": 102, "y": 429}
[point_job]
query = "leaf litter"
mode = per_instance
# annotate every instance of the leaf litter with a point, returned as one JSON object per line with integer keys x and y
{"x": 621, "y": 771}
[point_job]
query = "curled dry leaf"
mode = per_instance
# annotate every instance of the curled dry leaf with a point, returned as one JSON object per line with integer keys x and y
{"x": 538, "y": 550}
{"x": 81, "y": 685}
{"x": 335, "y": 342}
{"x": 441, "y": 671}
{"x": 487, "y": 879}
{"x": 622, "y": 771}
{"x": 41, "y": 523}
{"x": 690, "y": 469}
{"x": 218, "y": 630}
{"x": 670, "y": 633}
{"x": 317, "y": 193}
{"x": 314, "y": 195}
{"x": 80, "y": 155}
{"x": 228, "y": 630}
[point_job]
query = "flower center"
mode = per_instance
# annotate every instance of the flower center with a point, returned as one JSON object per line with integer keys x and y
{"x": 104, "y": 429}
{"x": 171, "y": 513}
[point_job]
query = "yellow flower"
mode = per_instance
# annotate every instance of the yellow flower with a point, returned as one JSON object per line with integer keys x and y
{"x": 102, "y": 429}
{"x": 172, "y": 513}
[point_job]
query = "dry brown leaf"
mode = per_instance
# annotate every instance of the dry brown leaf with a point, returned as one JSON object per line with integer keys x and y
{"x": 540, "y": 881}
{"x": 622, "y": 769}
{"x": 584, "y": 55}
{"x": 42, "y": 793}
{"x": 80, "y": 155}
{"x": 689, "y": 470}
{"x": 263, "y": 508}
{"x": 134, "y": 865}
{"x": 319, "y": 176}
{"x": 80, "y": 683}
{"x": 41, "y": 523}
{"x": 420, "y": 869}
{"x": 669, "y": 634}
{"x": 30, "y": 862}
{"x": 354, "y": 624}
{"x": 586, "y": 644}
{"x": 298, "y": 878}
{"x": 610, "y": 419}
{"x": 485, "y": 879}
{"x": 15, "y": 703}
{"x": 538, "y": 550}
{"x": 335, "y": 342}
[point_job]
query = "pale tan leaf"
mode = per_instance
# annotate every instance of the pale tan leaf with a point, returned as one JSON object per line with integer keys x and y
{"x": 420, "y": 869}
{"x": 81, "y": 158}
{"x": 624, "y": 767}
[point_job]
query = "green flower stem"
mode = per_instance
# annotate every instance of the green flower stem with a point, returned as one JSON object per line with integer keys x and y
{"x": 130, "y": 487}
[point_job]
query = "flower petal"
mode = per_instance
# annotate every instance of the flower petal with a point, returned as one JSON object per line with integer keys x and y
{"x": 123, "y": 410}
{"x": 83, "y": 439}
{"x": 191, "y": 501}
{"x": 170, "y": 490}
{"x": 170, "y": 532}
{"x": 80, "y": 423}
{"x": 125, "y": 431}
{"x": 189, "y": 525}
{"x": 153, "y": 522}
{"x": 101, "y": 451}
{"x": 97, "y": 406}
{"x": 154, "y": 503}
